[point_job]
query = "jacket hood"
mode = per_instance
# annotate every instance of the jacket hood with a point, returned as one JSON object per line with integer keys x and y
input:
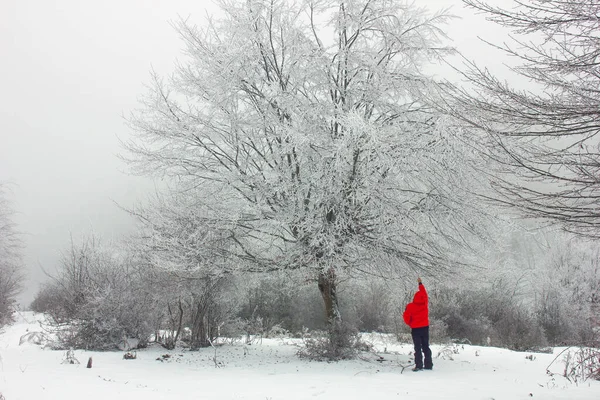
{"x": 420, "y": 298}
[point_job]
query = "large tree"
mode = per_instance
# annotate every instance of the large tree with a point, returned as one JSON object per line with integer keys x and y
{"x": 11, "y": 258}
{"x": 546, "y": 131}
{"x": 294, "y": 134}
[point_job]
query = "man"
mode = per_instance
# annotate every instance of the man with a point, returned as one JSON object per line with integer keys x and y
{"x": 416, "y": 316}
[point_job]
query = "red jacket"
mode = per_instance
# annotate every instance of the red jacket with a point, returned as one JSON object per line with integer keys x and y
{"x": 416, "y": 314}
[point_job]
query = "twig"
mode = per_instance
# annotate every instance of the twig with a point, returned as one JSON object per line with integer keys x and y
{"x": 215, "y": 356}
{"x": 558, "y": 355}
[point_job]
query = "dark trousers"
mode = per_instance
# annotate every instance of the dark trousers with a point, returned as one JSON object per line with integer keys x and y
{"x": 420, "y": 338}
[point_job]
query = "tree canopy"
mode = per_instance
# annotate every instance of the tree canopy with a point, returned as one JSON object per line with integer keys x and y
{"x": 296, "y": 136}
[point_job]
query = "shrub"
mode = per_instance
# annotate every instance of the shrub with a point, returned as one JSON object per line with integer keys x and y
{"x": 565, "y": 321}
{"x": 269, "y": 303}
{"x": 490, "y": 315}
{"x": 579, "y": 363}
{"x": 341, "y": 341}
{"x": 96, "y": 300}
{"x": 47, "y": 300}
{"x": 370, "y": 305}
{"x": 207, "y": 310}
{"x": 275, "y": 300}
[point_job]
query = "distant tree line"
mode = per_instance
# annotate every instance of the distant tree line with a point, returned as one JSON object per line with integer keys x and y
{"x": 11, "y": 258}
{"x": 539, "y": 298}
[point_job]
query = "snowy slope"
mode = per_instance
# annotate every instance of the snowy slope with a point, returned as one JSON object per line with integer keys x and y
{"x": 271, "y": 370}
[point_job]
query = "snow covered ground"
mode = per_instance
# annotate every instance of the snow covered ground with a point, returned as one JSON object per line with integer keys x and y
{"x": 271, "y": 371}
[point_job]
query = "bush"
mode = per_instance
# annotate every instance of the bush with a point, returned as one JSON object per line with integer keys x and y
{"x": 564, "y": 321}
{"x": 341, "y": 341}
{"x": 275, "y": 300}
{"x": 579, "y": 363}
{"x": 93, "y": 334}
{"x": 519, "y": 330}
{"x": 568, "y": 292}
{"x": 368, "y": 305}
{"x": 10, "y": 286}
{"x": 475, "y": 329}
{"x": 48, "y": 300}
{"x": 269, "y": 303}
{"x": 96, "y": 301}
{"x": 487, "y": 316}
{"x": 207, "y": 309}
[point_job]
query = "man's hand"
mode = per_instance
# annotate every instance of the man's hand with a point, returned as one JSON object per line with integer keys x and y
{"x": 419, "y": 280}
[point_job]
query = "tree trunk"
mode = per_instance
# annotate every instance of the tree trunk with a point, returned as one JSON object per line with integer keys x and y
{"x": 198, "y": 331}
{"x": 176, "y": 324}
{"x": 328, "y": 290}
{"x": 340, "y": 338}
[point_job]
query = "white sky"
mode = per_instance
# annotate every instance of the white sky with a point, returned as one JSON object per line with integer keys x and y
{"x": 69, "y": 71}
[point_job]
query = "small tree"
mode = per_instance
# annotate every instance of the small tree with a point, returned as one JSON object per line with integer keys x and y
{"x": 96, "y": 298}
{"x": 183, "y": 263}
{"x": 568, "y": 293}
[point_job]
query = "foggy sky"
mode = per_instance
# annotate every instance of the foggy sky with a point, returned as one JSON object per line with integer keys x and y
{"x": 69, "y": 71}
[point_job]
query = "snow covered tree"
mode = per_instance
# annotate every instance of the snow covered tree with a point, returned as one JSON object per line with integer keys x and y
{"x": 183, "y": 268}
{"x": 97, "y": 294}
{"x": 567, "y": 292}
{"x": 296, "y": 136}
{"x": 11, "y": 258}
{"x": 547, "y": 136}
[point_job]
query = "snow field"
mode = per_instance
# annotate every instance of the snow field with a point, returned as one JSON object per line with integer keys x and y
{"x": 271, "y": 370}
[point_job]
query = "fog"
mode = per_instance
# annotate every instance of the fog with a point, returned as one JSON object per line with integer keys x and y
{"x": 70, "y": 71}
